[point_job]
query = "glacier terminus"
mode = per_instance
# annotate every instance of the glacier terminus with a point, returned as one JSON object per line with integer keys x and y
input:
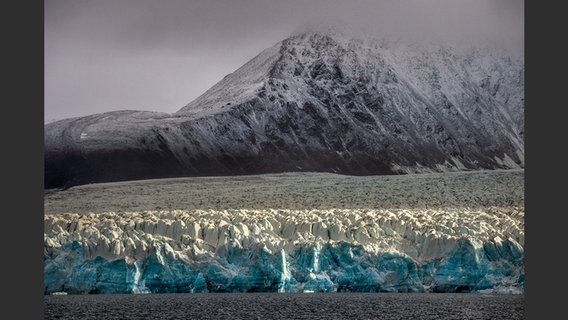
{"x": 432, "y": 246}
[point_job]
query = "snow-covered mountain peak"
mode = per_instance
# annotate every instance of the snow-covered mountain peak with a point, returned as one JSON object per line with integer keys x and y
{"x": 337, "y": 58}
{"x": 250, "y": 80}
{"x": 318, "y": 101}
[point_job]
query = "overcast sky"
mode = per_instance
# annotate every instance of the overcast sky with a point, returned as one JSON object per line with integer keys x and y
{"x": 158, "y": 55}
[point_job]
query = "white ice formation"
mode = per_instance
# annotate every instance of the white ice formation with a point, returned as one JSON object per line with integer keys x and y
{"x": 404, "y": 250}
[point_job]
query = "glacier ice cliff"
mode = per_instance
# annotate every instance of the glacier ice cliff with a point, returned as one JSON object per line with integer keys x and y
{"x": 284, "y": 250}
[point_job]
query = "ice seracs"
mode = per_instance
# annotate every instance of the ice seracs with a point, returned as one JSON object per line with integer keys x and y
{"x": 285, "y": 250}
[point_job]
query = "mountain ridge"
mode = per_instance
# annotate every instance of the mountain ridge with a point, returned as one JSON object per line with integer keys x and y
{"x": 313, "y": 102}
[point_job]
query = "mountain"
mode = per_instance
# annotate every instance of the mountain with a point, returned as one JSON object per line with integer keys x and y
{"x": 314, "y": 102}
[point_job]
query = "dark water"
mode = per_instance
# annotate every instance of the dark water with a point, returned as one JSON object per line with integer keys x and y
{"x": 382, "y": 306}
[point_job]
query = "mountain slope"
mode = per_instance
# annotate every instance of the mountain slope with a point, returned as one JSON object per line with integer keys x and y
{"x": 314, "y": 102}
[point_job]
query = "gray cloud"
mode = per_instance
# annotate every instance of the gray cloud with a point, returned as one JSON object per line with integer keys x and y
{"x": 103, "y": 55}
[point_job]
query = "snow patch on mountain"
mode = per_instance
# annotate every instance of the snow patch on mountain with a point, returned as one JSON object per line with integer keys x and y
{"x": 236, "y": 87}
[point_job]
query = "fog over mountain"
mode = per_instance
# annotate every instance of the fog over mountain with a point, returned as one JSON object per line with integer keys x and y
{"x": 109, "y": 55}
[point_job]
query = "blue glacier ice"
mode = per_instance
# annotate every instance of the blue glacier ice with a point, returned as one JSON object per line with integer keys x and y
{"x": 279, "y": 251}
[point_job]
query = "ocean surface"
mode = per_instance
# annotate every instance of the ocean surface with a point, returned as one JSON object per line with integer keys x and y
{"x": 384, "y": 306}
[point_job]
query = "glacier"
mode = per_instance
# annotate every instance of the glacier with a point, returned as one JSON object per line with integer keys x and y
{"x": 286, "y": 250}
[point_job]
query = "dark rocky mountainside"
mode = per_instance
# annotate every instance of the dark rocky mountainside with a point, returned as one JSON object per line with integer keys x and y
{"x": 314, "y": 102}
